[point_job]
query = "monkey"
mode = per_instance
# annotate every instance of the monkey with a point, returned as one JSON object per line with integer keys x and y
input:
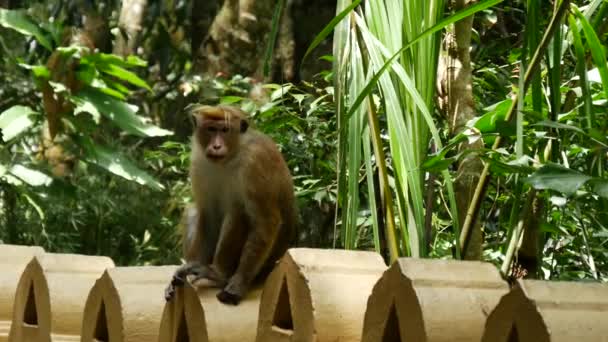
{"x": 244, "y": 212}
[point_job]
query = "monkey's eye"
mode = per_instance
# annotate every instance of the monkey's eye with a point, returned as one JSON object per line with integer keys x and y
{"x": 225, "y": 129}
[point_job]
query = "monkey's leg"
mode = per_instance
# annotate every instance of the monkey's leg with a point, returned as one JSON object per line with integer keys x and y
{"x": 230, "y": 243}
{"x": 256, "y": 251}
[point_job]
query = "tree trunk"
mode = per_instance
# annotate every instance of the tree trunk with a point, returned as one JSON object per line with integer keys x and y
{"x": 203, "y": 12}
{"x": 236, "y": 40}
{"x": 129, "y": 23}
{"x": 456, "y": 90}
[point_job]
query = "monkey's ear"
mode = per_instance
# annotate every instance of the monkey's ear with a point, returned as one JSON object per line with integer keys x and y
{"x": 244, "y": 126}
{"x": 194, "y": 113}
{"x": 196, "y": 118}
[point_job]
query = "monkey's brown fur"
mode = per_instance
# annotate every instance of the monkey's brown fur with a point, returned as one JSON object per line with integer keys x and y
{"x": 244, "y": 214}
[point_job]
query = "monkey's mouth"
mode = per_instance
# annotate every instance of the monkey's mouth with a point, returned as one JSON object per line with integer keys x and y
{"x": 215, "y": 157}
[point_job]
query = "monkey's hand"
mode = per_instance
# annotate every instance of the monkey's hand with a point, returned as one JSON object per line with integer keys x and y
{"x": 179, "y": 278}
{"x": 202, "y": 275}
{"x": 170, "y": 290}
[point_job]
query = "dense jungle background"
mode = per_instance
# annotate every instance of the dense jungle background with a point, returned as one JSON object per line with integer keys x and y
{"x": 426, "y": 128}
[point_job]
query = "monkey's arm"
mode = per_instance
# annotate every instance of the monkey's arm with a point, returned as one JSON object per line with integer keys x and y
{"x": 191, "y": 238}
{"x": 196, "y": 250}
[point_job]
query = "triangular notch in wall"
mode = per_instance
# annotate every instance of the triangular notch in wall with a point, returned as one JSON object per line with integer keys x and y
{"x": 101, "y": 327}
{"x": 282, "y": 315}
{"x": 513, "y": 336}
{"x": 30, "y": 315}
{"x": 391, "y": 329}
{"x": 182, "y": 330}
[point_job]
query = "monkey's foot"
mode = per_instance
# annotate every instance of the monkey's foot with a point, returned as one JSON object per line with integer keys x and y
{"x": 233, "y": 292}
{"x": 228, "y": 298}
{"x": 204, "y": 282}
{"x": 208, "y": 276}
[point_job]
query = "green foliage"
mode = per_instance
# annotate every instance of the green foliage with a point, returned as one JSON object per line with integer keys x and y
{"x": 372, "y": 121}
{"x": 15, "y": 121}
{"x": 22, "y": 24}
{"x": 96, "y": 85}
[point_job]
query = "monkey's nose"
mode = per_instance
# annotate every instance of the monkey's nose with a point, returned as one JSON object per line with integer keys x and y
{"x": 217, "y": 147}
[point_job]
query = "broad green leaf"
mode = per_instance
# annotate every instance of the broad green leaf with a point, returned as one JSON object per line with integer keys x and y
{"x": 10, "y": 179}
{"x": 116, "y": 86}
{"x": 592, "y": 134}
{"x": 121, "y": 113}
{"x": 15, "y": 120}
{"x": 119, "y": 165}
{"x": 58, "y": 87}
{"x": 280, "y": 92}
{"x": 123, "y": 74}
{"x": 87, "y": 107}
{"x": 436, "y": 164}
{"x": 39, "y": 71}
{"x": 136, "y": 61}
{"x": 558, "y": 125}
{"x": 552, "y": 229}
{"x": 29, "y": 176}
{"x": 512, "y": 167}
{"x": 19, "y": 22}
{"x": 74, "y": 50}
{"x": 101, "y": 85}
{"x": 556, "y": 177}
{"x": 600, "y": 186}
{"x": 86, "y": 73}
{"x": 494, "y": 120}
{"x": 230, "y": 99}
{"x": 593, "y": 75}
{"x": 299, "y": 98}
{"x": 104, "y": 58}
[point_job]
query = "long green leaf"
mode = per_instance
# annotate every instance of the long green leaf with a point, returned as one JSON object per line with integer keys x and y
{"x": 329, "y": 28}
{"x": 600, "y": 186}
{"x": 581, "y": 67}
{"x": 276, "y": 18}
{"x": 559, "y": 178}
{"x": 30, "y": 176}
{"x": 121, "y": 113}
{"x": 117, "y": 164}
{"x": 19, "y": 22}
{"x": 124, "y": 74}
{"x": 371, "y": 189}
{"x": 439, "y": 26}
{"x": 596, "y": 47}
{"x": 15, "y": 121}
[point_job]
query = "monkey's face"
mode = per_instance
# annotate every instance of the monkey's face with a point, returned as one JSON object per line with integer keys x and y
{"x": 220, "y": 138}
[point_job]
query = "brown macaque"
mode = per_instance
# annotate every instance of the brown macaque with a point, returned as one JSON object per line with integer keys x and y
{"x": 244, "y": 214}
